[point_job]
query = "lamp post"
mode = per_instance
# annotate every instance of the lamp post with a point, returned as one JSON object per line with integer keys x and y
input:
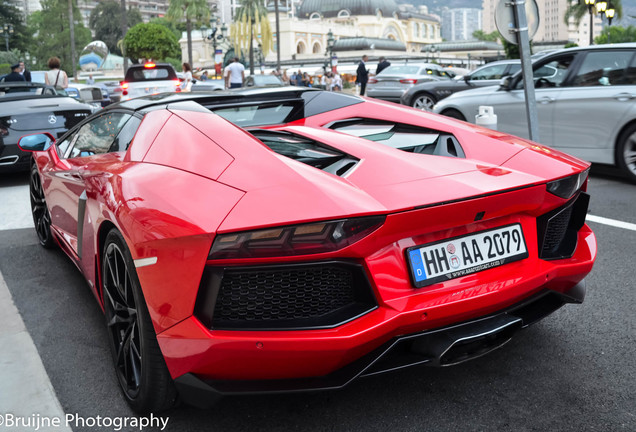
{"x": 609, "y": 14}
{"x": 330, "y": 42}
{"x": 590, "y": 9}
{"x": 7, "y": 31}
{"x": 216, "y": 37}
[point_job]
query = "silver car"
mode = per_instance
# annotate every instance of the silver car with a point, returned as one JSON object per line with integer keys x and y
{"x": 585, "y": 102}
{"x": 424, "y": 95}
{"x": 393, "y": 81}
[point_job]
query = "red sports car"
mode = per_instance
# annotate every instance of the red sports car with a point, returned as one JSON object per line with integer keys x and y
{"x": 292, "y": 239}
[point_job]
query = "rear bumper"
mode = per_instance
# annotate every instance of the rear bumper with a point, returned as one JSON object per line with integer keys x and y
{"x": 438, "y": 347}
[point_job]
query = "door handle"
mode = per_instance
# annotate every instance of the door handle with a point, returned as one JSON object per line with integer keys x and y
{"x": 546, "y": 100}
{"x": 624, "y": 96}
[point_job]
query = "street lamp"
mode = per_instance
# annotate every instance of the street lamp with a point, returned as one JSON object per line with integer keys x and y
{"x": 216, "y": 38}
{"x": 330, "y": 43}
{"x": 6, "y": 30}
{"x": 609, "y": 14}
{"x": 590, "y": 9}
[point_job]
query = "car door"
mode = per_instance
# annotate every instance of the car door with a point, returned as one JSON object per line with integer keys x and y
{"x": 67, "y": 197}
{"x": 487, "y": 75}
{"x": 549, "y": 75}
{"x": 589, "y": 112}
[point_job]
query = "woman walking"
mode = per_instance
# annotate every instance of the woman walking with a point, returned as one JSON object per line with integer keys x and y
{"x": 55, "y": 76}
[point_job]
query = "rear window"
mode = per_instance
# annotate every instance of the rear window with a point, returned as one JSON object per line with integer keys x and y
{"x": 257, "y": 114}
{"x": 401, "y": 70}
{"x": 159, "y": 72}
{"x": 19, "y": 91}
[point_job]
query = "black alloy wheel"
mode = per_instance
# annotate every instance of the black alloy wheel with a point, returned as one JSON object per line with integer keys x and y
{"x": 39, "y": 209}
{"x": 141, "y": 370}
{"x": 626, "y": 153}
{"x": 453, "y": 113}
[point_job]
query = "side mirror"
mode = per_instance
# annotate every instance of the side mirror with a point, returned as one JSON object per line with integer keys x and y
{"x": 466, "y": 77}
{"x": 37, "y": 142}
{"x": 505, "y": 82}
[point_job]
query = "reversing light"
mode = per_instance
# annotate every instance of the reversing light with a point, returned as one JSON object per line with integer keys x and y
{"x": 149, "y": 65}
{"x": 568, "y": 186}
{"x": 304, "y": 239}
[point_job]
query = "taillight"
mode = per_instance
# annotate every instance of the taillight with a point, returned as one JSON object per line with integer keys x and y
{"x": 124, "y": 85}
{"x": 124, "y": 88}
{"x": 177, "y": 84}
{"x": 372, "y": 81}
{"x": 304, "y": 239}
{"x": 408, "y": 81}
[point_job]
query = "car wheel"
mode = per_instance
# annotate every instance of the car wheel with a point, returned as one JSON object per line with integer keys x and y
{"x": 39, "y": 209}
{"x": 626, "y": 153}
{"x": 424, "y": 102}
{"x": 453, "y": 113}
{"x": 141, "y": 369}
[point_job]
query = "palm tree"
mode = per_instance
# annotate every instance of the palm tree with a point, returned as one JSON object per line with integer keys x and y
{"x": 578, "y": 9}
{"x": 191, "y": 10}
{"x": 250, "y": 20}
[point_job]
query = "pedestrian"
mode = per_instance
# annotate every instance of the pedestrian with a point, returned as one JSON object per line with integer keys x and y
{"x": 306, "y": 80}
{"x": 383, "y": 63}
{"x": 204, "y": 76}
{"x": 14, "y": 76}
{"x": 234, "y": 74}
{"x": 54, "y": 76}
{"x": 187, "y": 81}
{"x": 336, "y": 82}
{"x": 329, "y": 81}
{"x": 25, "y": 72}
{"x": 362, "y": 74}
{"x": 90, "y": 80}
{"x": 285, "y": 78}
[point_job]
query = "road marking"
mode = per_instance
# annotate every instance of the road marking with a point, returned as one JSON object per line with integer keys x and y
{"x": 26, "y": 388}
{"x": 611, "y": 222}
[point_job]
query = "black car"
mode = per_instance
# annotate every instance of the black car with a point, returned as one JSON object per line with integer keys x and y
{"x": 424, "y": 95}
{"x": 27, "y": 108}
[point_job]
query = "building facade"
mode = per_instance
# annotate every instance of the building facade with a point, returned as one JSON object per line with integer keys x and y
{"x": 305, "y": 28}
{"x": 552, "y": 27}
{"x": 459, "y": 24}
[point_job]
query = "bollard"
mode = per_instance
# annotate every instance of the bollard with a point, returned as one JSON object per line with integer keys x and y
{"x": 486, "y": 117}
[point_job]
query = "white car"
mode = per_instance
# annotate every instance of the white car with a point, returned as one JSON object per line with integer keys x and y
{"x": 585, "y": 102}
{"x": 149, "y": 78}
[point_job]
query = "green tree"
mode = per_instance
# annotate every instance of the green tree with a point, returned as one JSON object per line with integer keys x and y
{"x": 250, "y": 20}
{"x": 174, "y": 27}
{"x": 105, "y": 21}
{"x": 51, "y": 27}
{"x": 489, "y": 37}
{"x": 512, "y": 50}
{"x": 20, "y": 38}
{"x": 617, "y": 34}
{"x": 151, "y": 41}
{"x": 191, "y": 10}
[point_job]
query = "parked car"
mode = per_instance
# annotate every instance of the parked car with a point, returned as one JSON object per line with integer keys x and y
{"x": 90, "y": 94}
{"x": 33, "y": 107}
{"x": 585, "y": 102}
{"x": 149, "y": 78}
{"x": 263, "y": 81}
{"x": 207, "y": 85}
{"x": 424, "y": 95}
{"x": 353, "y": 238}
{"x": 393, "y": 81}
{"x": 113, "y": 88}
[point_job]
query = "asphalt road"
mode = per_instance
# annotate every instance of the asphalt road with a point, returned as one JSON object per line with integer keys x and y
{"x": 574, "y": 371}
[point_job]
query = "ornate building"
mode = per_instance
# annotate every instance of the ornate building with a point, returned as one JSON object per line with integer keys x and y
{"x": 379, "y": 27}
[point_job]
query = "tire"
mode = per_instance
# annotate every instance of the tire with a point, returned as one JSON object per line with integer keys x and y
{"x": 39, "y": 209}
{"x": 140, "y": 367}
{"x": 424, "y": 102}
{"x": 453, "y": 113}
{"x": 626, "y": 153}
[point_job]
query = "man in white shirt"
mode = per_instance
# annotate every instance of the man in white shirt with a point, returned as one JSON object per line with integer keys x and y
{"x": 234, "y": 74}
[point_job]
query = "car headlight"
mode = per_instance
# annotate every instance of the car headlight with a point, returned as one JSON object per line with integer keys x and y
{"x": 568, "y": 186}
{"x": 311, "y": 238}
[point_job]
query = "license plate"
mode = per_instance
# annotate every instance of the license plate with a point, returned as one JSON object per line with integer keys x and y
{"x": 460, "y": 256}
